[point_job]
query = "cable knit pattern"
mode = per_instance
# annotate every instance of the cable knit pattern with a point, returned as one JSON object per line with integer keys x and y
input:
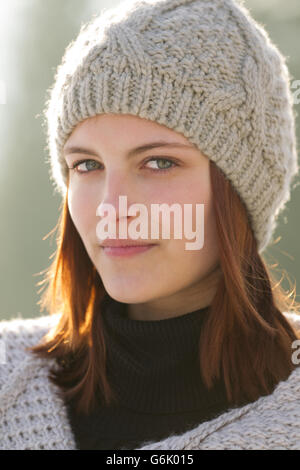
{"x": 32, "y": 416}
{"x": 204, "y": 68}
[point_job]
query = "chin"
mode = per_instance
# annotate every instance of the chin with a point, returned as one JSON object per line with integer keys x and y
{"x": 128, "y": 297}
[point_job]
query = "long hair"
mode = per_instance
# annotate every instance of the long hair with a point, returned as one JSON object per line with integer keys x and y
{"x": 245, "y": 339}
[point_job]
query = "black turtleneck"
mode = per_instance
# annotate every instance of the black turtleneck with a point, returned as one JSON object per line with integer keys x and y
{"x": 153, "y": 367}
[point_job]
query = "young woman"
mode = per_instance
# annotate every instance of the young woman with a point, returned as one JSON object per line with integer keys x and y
{"x": 151, "y": 343}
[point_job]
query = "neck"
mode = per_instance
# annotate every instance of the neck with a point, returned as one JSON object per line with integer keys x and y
{"x": 193, "y": 298}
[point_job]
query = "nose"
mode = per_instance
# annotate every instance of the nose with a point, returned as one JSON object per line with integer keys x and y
{"x": 115, "y": 196}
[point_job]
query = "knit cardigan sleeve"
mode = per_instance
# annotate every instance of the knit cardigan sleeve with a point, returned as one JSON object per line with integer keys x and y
{"x": 32, "y": 415}
{"x": 15, "y": 336}
{"x": 270, "y": 423}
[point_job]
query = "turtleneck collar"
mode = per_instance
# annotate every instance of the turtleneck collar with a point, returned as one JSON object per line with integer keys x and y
{"x": 153, "y": 365}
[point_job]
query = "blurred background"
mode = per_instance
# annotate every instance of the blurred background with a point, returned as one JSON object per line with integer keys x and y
{"x": 33, "y": 38}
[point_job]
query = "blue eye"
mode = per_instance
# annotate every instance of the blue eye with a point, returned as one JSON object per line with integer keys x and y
{"x": 80, "y": 162}
{"x": 167, "y": 161}
{"x": 92, "y": 165}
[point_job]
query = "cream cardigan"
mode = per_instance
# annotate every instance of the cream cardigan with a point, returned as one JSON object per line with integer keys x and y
{"x": 32, "y": 416}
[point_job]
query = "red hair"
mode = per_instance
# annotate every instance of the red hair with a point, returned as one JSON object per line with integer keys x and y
{"x": 246, "y": 338}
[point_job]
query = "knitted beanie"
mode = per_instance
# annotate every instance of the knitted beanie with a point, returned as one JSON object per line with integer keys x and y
{"x": 204, "y": 68}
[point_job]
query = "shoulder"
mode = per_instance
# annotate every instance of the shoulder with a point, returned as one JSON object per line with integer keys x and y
{"x": 269, "y": 423}
{"x": 25, "y": 332}
{"x": 293, "y": 318}
{"x": 19, "y": 326}
{"x": 18, "y": 334}
{"x": 32, "y": 413}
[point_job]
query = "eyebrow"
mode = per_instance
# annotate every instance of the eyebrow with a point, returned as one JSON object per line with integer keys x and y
{"x": 132, "y": 152}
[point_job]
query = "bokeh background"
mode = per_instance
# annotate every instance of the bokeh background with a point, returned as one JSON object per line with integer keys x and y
{"x": 33, "y": 38}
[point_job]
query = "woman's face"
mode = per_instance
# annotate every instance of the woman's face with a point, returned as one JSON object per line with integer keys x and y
{"x": 167, "y": 279}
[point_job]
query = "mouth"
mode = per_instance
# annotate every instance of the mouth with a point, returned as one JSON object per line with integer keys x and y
{"x": 126, "y": 251}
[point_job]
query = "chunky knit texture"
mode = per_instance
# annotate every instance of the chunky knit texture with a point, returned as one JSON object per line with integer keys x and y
{"x": 204, "y": 68}
{"x": 32, "y": 416}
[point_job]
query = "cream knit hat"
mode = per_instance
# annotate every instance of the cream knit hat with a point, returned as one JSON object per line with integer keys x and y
{"x": 204, "y": 68}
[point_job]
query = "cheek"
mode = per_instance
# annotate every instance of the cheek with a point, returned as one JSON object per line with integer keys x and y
{"x": 197, "y": 191}
{"x": 82, "y": 212}
{"x": 190, "y": 192}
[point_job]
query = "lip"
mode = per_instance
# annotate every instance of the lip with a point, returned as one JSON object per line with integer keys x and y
{"x": 126, "y": 251}
{"x": 114, "y": 242}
